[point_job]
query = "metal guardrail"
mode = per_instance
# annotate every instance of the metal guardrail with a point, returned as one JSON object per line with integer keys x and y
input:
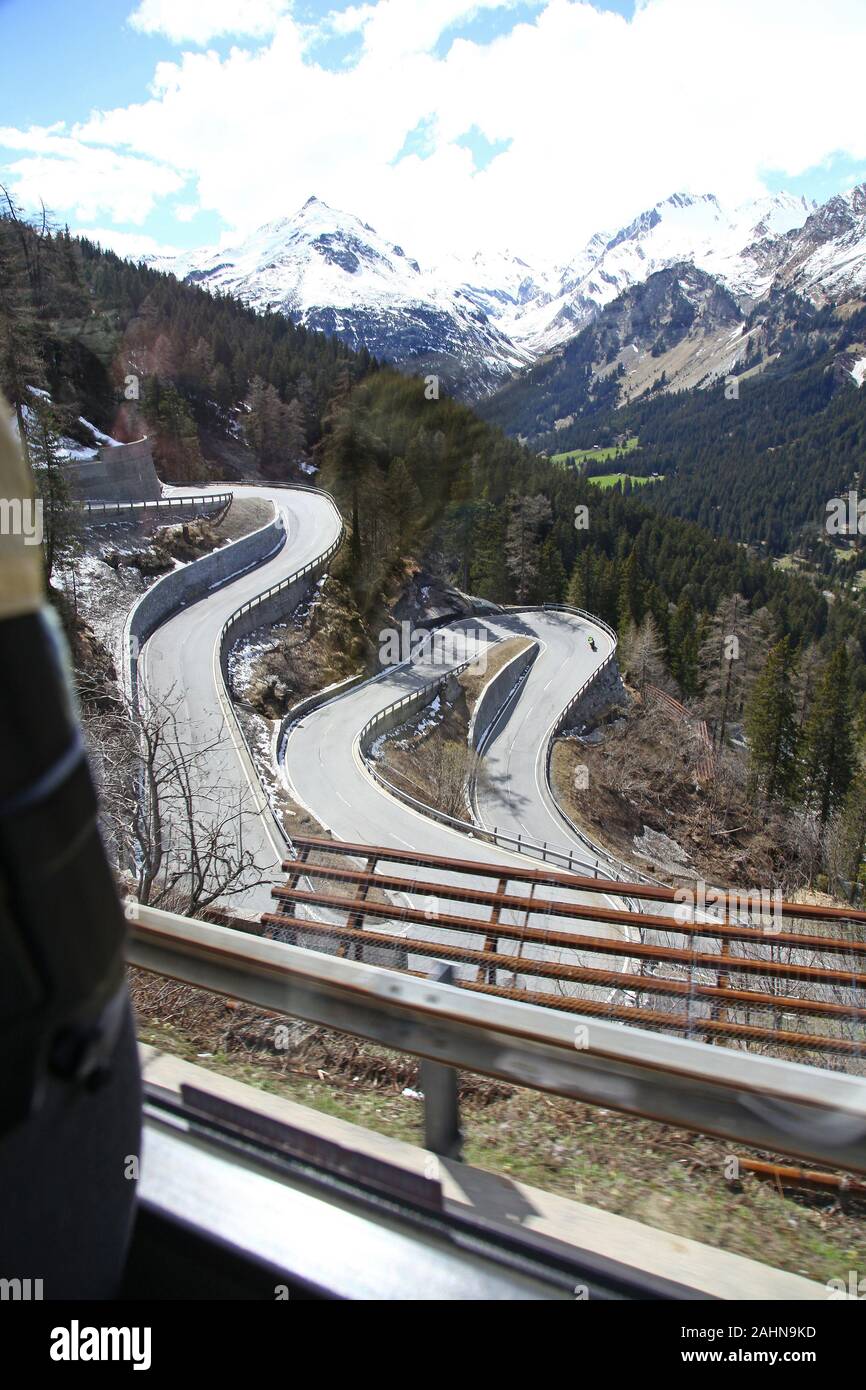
{"x": 780, "y": 1106}
{"x": 285, "y": 583}
{"x": 216, "y": 499}
{"x": 547, "y": 853}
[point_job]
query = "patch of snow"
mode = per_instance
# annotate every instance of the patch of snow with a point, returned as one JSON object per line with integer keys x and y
{"x": 246, "y": 652}
{"x": 99, "y": 435}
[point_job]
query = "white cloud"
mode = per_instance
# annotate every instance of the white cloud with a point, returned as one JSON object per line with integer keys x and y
{"x": 86, "y": 180}
{"x": 133, "y": 244}
{"x": 199, "y": 21}
{"x": 604, "y": 117}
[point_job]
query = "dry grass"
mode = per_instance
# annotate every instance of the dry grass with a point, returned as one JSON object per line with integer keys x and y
{"x": 245, "y": 514}
{"x": 643, "y": 773}
{"x": 429, "y": 757}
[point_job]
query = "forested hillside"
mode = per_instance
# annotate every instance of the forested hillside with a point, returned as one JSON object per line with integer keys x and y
{"x": 421, "y": 476}
{"x": 754, "y": 457}
{"x": 657, "y": 327}
{"x": 758, "y": 466}
{"x": 218, "y": 387}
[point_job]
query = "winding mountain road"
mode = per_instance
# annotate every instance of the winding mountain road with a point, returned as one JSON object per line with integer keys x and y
{"x": 180, "y": 667}
{"x": 322, "y": 765}
{"x": 513, "y": 795}
{"x": 324, "y": 769}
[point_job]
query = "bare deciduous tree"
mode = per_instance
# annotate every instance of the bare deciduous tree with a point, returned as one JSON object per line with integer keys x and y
{"x": 641, "y": 653}
{"x": 164, "y": 817}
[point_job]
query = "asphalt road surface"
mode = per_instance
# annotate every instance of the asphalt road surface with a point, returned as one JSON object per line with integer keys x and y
{"x": 324, "y": 770}
{"x": 181, "y": 670}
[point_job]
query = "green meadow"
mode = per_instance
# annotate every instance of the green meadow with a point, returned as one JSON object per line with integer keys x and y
{"x": 596, "y": 455}
{"x": 611, "y": 479}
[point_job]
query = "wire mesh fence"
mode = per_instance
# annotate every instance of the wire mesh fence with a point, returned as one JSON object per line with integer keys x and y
{"x": 754, "y": 973}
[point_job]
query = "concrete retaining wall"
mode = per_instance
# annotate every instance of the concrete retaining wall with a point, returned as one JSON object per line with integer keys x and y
{"x": 269, "y": 610}
{"x": 119, "y": 473}
{"x": 399, "y": 713}
{"x": 496, "y": 693}
{"x": 195, "y": 581}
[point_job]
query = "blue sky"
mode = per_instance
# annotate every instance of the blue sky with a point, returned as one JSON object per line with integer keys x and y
{"x": 152, "y": 122}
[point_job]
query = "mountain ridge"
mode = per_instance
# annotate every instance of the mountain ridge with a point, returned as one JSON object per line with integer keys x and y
{"x": 480, "y": 321}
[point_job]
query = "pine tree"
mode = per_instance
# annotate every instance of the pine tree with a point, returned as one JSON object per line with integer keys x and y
{"x": 404, "y": 501}
{"x": 177, "y": 452}
{"x": 489, "y": 574}
{"x": 348, "y": 454}
{"x": 21, "y": 364}
{"x": 828, "y": 763}
{"x": 551, "y": 574}
{"x": 849, "y": 837}
{"x": 268, "y": 430}
{"x": 732, "y": 654}
{"x": 641, "y": 655}
{"x": 528, "y": 516}
{"x": 59, "y": 512}
{"x": 683, "y": 647}
{"x": 294, "y": 422}
{"x": 771, "y": 727}
{"x": 632, "y": 599}
{"x": 576, "y": 595}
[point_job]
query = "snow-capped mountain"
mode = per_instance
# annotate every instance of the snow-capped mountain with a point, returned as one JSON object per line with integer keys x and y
{"x": 825, "y": 258}
{"x": 478, "y": 321}
{"x": 683, "y": 228}
{"x": 333, "y": 272}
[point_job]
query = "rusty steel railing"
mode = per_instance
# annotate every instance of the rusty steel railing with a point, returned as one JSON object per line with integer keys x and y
{"x": 783, "y": 1107}
{"x": 793, "y": 988}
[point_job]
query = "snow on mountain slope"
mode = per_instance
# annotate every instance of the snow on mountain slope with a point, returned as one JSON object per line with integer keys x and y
{"x": 499, "y": 282}
{"x": 330, "y": 271}
{"x": 825, "y": 259}
{"x": 684, "y": 228}
{"x": 318, "y": 257}
{"x": 478, "y": 320}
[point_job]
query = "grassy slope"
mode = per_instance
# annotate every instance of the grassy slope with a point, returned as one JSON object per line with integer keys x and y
{"x": 609, "y": 452}
{"x": 611, "y": 479}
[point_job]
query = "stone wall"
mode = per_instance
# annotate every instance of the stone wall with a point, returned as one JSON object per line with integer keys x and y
{"x": 604, "y": 693}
